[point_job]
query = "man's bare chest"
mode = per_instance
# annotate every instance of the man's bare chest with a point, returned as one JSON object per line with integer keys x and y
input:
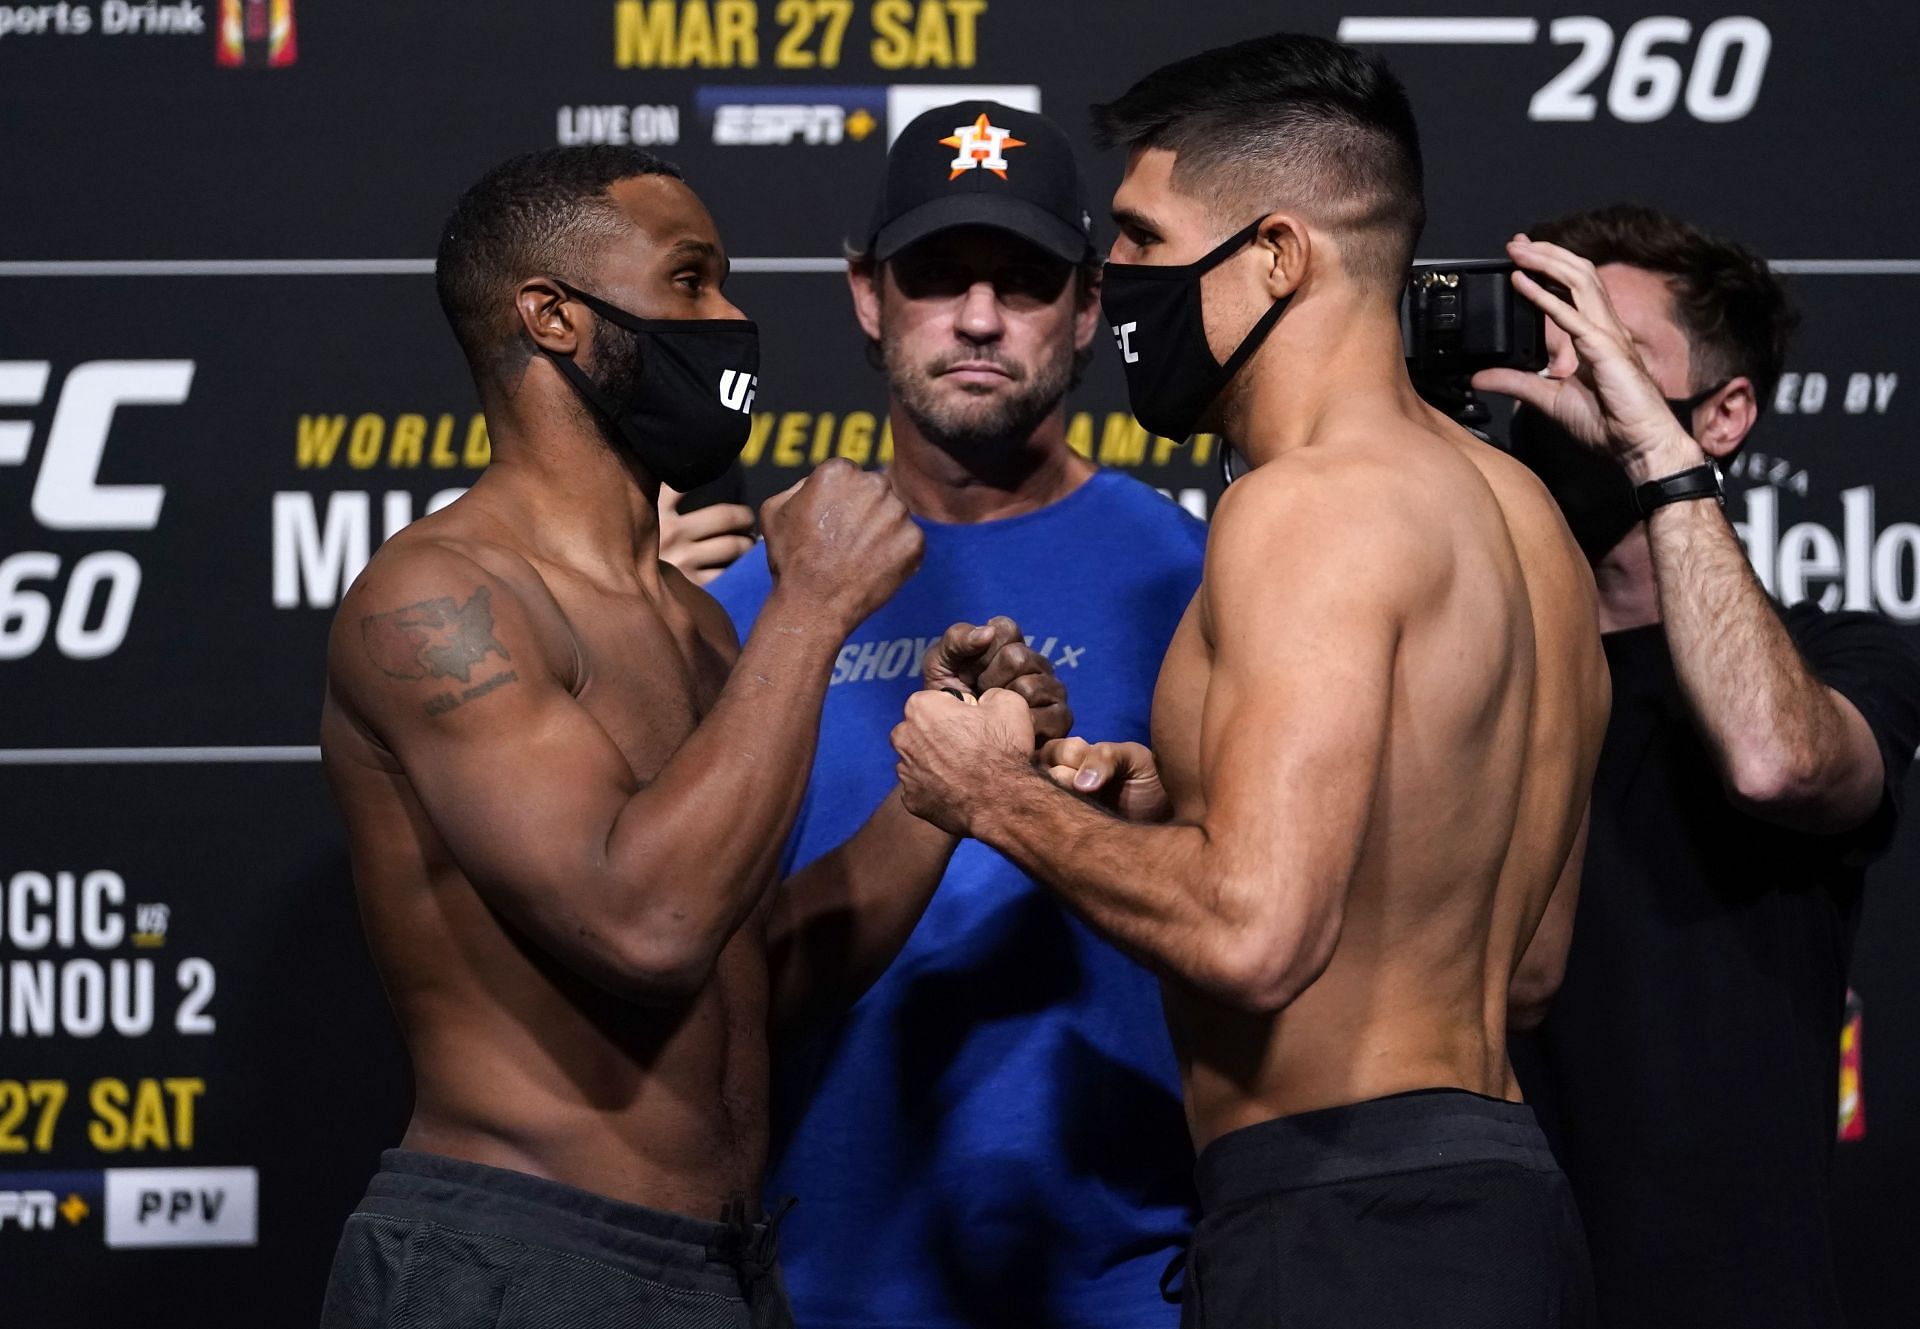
{"x": 648, "y": 677}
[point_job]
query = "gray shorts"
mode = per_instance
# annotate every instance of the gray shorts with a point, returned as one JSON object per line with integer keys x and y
{"x": 444, "y": 1242}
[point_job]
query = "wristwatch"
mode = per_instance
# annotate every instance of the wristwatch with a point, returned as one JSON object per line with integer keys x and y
{"x": 1703, "y": 481}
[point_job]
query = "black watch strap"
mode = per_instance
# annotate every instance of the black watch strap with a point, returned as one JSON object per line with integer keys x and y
{"x": 1695, "y": 482}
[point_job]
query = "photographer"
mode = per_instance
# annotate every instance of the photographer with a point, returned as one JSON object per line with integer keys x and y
{"x": 1687, "y": 1069}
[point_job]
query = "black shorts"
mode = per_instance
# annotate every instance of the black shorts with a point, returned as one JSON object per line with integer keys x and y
{"x": 1439, "y": 1209}
{"x": 443, "y": 1242}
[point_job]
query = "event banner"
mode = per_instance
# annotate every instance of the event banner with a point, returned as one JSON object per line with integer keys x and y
{"x": 225, "y": 380}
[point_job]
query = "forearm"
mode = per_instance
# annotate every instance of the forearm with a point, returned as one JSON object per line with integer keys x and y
{"x": 837, "y": 924}
{"x": 1774, "y": 729}
{"x": 1159, "y": 892}
{"x": 702, "y": 839}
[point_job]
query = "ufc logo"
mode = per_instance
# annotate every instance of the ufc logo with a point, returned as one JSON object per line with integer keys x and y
{"x": 1123, "y": 337}
{"x": 736, "y": 390}
{"x": 67, "y": 494}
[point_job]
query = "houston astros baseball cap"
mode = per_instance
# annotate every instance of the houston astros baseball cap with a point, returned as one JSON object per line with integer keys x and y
{"x": 979, "y": 163}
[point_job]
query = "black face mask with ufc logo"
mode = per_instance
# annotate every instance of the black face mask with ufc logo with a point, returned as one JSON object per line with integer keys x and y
{"x": 1157, "y": 319}
{"x": 690, "y": 411}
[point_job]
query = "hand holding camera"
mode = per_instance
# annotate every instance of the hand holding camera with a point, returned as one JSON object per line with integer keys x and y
{"x": 1597, "y": 387}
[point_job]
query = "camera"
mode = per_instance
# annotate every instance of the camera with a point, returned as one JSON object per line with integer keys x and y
{"x": 1459, "y": 318}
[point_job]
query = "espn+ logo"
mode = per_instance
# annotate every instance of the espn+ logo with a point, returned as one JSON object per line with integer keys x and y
{"x": 86, "y": 607}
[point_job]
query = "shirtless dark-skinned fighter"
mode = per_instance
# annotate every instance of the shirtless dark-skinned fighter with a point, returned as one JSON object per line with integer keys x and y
{"x": 1377, "y": 727}
{"x": 566, "y": 786}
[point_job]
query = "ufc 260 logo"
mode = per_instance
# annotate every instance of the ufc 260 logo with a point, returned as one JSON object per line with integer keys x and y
{"x": 88, "y": 607}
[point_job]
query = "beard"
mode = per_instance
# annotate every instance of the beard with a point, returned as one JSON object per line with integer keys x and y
{"x": 959, "y": 422}
{"x": 616, "y": 361}
{"x": 615, "y": 370}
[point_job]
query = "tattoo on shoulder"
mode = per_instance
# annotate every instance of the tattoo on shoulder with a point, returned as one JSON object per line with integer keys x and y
{"x": 433, "y": 639}
{"x": 447, "y": 701}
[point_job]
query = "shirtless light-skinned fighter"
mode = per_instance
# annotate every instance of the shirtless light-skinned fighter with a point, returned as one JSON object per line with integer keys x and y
{"x": 1376, "y": 728}
{"x": 566, "y": 785}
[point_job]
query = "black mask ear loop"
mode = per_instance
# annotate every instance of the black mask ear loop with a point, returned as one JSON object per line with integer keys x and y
{"x": 1684, "y": 407}
{"x": 1248, "y": 344}
{"x": 1251, "y": 342}
{"x": 1226, "y": 249}
{"x": 612, "y": 313}
{"x": 582, "y": 382}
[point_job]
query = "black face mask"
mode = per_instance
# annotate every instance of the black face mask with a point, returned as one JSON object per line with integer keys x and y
{"x": 1593, "y": 490}
{"x": 1156, "y": 316}
{"x": 686, "y": 410}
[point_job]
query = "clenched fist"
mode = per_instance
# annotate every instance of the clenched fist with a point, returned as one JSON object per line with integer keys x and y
{"x": 952, "y": 755}
{"x": 974, "y": 659}
{"x": 841, "y": 538}
{"x": 1122, "y": 777}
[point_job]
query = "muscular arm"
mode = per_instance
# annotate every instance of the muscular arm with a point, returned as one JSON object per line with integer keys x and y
{"x": 1788, "y": 748}
{"x": 1246, "y": 903}
{"x": 636, "y": 888}
{"x": 837, "y": 924}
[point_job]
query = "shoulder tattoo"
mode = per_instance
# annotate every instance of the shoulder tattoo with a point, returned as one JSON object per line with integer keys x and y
{"x": 438, "y": 638}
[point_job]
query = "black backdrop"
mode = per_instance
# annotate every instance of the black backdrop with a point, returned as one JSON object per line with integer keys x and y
{"x": 223, "y": 379}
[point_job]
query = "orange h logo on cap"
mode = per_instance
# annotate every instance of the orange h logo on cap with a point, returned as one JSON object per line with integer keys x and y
{"x": 980, "y": 146}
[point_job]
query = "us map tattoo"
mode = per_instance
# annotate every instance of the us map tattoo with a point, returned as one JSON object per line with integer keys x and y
{"x": 438, "y": 639}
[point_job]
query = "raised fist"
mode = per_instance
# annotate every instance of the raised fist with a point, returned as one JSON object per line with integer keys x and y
{"x": 841, "y": 538}
{"x": 973, "y": 659}
{"x": 947, "y": 747}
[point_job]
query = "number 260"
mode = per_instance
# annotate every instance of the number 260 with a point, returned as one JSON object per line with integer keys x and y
{"x": 1646, "y": 84}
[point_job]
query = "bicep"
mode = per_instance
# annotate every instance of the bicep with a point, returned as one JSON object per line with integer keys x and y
{"x": 518, "y": 780}
{"x": 1297, "y": 708}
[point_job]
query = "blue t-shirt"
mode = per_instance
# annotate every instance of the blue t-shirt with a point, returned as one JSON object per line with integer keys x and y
{"x": 994, "y": 1134}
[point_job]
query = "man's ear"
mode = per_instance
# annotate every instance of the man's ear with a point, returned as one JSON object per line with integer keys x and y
{"x": 1725, "y": 419}
{"x": 549, "y": 319}
{"x": 863, "y": 283}
{"x": 1287, "y": 248}
{"x": 1086, "y": 315}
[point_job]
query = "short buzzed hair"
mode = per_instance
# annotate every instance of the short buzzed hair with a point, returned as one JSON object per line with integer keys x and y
{"x": 1734, "y": 310}
{"x": 1288, "y": 120}
{"x": 541, "y": 213}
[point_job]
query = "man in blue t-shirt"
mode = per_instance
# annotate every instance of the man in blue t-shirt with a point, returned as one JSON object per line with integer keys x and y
{"x": 993, "y": 1135}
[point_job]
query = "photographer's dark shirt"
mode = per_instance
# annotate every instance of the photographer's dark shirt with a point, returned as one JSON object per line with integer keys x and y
{"x": 1688, "y": 1070}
